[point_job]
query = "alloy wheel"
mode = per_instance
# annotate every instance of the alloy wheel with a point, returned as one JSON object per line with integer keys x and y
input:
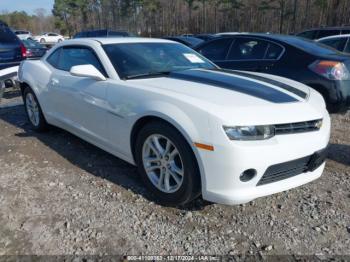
{"x": 162, "y": 163}
{"x": 32, "y": 109}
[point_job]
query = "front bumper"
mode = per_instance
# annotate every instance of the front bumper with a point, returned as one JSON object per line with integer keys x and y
{"x": 223, "y": 167}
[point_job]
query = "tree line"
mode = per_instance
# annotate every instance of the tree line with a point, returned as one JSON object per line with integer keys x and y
{"x": 174, "y": 17}
{"x": 39, "y": 21}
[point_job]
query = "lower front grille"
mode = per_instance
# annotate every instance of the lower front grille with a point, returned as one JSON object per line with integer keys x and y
{"x": 292, "y": 168}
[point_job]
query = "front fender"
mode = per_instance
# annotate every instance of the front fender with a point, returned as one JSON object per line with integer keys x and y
{"x": 195, "y": 129}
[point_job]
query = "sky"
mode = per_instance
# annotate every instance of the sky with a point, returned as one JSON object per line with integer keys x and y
{"x": 26, "y": 5}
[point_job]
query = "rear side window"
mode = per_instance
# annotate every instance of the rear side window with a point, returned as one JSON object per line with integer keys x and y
{"x": 273, "y": 51}
{"x": 248, "y": 49}
{"x": 77, "y": 55}
{"x": 338, "y": 43}
{"x": 7, "y": 36}
{"x": 324, "y": 33}
{"x": 217, "y": 49}
{"x": 347, "y": 47}
{"x": 53, "y": 59}
{"x": 308, "y": 34}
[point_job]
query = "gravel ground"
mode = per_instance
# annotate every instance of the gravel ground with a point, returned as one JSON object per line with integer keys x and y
{"x": 60, "y": 195}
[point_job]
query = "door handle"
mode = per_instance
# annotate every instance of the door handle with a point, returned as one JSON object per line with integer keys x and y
{"x": 88, "y": 98}
{"x": 54, "y": 82}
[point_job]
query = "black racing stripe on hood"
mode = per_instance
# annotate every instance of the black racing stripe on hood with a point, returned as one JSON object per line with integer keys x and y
{"x": 249, "y": 87}
{"x": 279, "y": 84}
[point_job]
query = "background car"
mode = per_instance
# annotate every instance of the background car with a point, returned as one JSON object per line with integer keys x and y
{"x": 102, "y": 33}
{"x": 23, "y": 34}
{"x": 49, "y": 38}
{"x": 34, "y": 49}
{"x": 339, "y": 42}
{"x": 186, "y": 40}
{"x": 323, "y": 68}
{"x": 205, "y": 37}
{"x": 321, "y": 32}
{"x": 12, "y": 50}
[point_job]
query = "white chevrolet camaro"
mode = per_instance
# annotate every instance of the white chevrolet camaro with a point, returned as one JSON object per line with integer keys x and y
{"x": 191, "y": 128}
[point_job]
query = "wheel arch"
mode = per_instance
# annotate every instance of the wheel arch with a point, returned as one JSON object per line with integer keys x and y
{"x": 25, "y": 84}
{"x": 145, "y": 119}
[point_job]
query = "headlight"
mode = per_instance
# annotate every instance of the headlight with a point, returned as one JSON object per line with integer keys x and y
{"x": 249, "y": 132}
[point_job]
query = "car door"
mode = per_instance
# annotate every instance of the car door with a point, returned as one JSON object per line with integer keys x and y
{"x": 246, "y": 53}
{"x": 51, "y": 37}
{"x": 79, "y": 102}
{"x": 269, "y": 64}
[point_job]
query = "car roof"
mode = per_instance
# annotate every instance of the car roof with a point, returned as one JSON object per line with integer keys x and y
{"x": 306, "y": 45}
{"x": 117, "y": 40}
{"x": 102, "y": 30}
{"x": 289, "y": 39}
{"x": 333, "y": 36}
{"x": 2, "y": 23}
{"x": 230, "y": 33}
{"x": 327, "y": 28}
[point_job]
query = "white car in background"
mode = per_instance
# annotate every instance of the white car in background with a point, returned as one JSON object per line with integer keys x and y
{"x": 49, "y": 38}
{"x": 338, "y": 42}
{"x": 190, "y": 127}
{"x": 23, "y": 34}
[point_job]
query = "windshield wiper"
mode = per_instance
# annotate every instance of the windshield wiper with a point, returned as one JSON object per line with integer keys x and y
{"x": 146, "y": 75}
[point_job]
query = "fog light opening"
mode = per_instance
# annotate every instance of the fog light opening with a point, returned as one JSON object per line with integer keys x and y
{"x": 247, "y": 175}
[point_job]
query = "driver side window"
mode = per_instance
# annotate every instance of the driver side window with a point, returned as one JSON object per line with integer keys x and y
{"x": 78, "y": 55}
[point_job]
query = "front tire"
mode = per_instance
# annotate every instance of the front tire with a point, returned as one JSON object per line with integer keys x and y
{"x": 42, "y": 40}
{"x": 34, "y": 112}
{"x": 167, "y": 164}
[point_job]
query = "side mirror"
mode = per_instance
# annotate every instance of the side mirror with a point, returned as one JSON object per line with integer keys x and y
{"x": 87, "y": 71}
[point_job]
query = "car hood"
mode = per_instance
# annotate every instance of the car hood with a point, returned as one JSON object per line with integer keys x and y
{"x": 243, "y": 96}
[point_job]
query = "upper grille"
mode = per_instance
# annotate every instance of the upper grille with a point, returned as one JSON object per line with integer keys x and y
{"x": 299, "y": 127}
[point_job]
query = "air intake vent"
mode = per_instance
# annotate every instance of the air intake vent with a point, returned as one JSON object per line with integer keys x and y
{"x": 293, "y": 168}
{"x": 299, "y": 127}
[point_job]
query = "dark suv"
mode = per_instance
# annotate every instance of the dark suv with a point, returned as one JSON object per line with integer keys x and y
{"x": 102, "y": 33}
{"x": 317, "y": 33}
{"x": 12, "y": 51}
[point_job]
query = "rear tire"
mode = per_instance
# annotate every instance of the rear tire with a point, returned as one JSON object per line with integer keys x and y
{"x": 34, "y": 112}
{"x": 167, "y": 164}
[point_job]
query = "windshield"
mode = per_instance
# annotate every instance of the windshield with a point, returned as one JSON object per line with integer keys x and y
{"x": 132, "y": 59}
{"x": 192, "y": 40}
